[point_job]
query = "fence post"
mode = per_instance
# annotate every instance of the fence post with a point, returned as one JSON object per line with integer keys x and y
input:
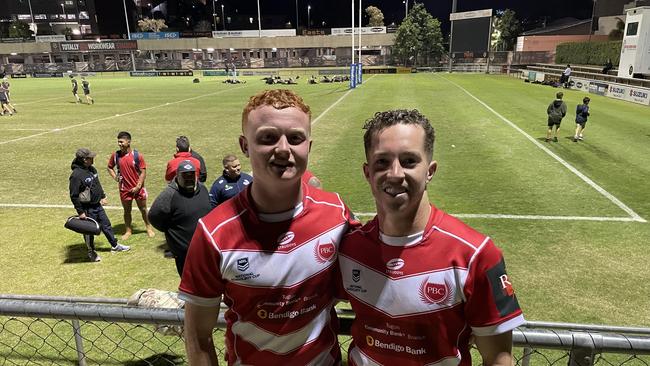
{"x": 81, "y": 354}
{"x": 525, "y": 358}
{"x": 581, "y": 357}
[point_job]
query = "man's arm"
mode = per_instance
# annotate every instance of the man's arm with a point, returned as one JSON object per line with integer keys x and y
{"x": 199, "y": 322}
{"x": 495, "y": 350}
{"x": 160, "y": 211}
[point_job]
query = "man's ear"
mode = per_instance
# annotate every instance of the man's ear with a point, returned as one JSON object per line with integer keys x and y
{"x": 366, "y": 172}
{"x": 433, "y": 166}
{"x": 243, "y": 145}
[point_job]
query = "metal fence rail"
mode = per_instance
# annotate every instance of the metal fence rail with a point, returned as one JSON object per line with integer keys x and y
{"x": 94, "y": 331}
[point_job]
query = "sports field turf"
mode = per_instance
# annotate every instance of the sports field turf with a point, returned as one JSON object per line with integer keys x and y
{"x": 570, "y": 217}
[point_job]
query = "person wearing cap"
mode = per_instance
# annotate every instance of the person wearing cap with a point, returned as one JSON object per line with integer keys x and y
{"x": 177, "y": 210}
{"x": 84, "y": 175}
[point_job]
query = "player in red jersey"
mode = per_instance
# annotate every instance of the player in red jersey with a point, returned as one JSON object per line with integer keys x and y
{"x": 128, "y": 168}
{"x": 423, "y": 284}
{"x": 270, "y": 251}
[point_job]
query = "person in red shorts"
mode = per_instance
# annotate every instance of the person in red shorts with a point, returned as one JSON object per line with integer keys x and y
{"x": 270, "y": 251}
{"x": 423, "y": 284}
{"x": 129, "y": 170}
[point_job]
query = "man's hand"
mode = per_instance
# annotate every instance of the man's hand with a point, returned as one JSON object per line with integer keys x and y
{"x": 135, "y": 189}
{"x": 103, "y": 201}
{"x": 82, "y": 215}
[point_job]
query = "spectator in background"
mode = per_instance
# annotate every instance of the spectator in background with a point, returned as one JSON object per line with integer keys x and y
{"x": 5, "y": 84}
{"x": 182, "y": 153}
{"x": 84, "y": 176}
{"x": 555, "y": 111}
{"x": 177, "y": 210}
{"x": 608, "y": 66}
{"x": 203, "y": 169}
{"x": 230, "y": 183}
{"x": 564, "y": 79}
{"x": 85, "y": 85}
{"x": 4, "y": 102}
{"x": 75, "y": 88}
{"x": 129, "y": 170}
{"x": 582, "y": 113}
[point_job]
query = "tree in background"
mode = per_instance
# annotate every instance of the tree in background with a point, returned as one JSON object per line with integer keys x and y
{"x": 376, "y": 16}
{"x": 617, "y": 34}
{"x": 19, "y": 29}
{"x": 152, "y": 25}
{"x": 508, "y": 28}
{"x": 418, "y": 38}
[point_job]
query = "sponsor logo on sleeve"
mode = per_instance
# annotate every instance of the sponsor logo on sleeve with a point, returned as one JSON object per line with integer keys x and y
{"x": 242, "y": 264}
{"x": 356, "y": 275}
{"x": 436, "y": 293}
{"x": 502, "y": 290}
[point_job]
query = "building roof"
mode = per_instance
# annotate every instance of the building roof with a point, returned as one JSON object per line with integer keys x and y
{"x": 558, "y": 25}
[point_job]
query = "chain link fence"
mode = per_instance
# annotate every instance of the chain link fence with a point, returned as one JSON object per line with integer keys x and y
{"x": 76, "y": 331}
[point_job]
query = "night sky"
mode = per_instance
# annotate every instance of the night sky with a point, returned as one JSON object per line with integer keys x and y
{"x": 336, "y": 13}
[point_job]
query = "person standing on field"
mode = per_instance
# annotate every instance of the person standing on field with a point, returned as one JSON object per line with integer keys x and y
{"x": 555, "y": 111}
{"x": 128, "y": 168}
{"x": 419, "y": 279}
{"x": 85, "y": 85}
{"x": 582, "y": 113}
{"x": 75, "y": 88}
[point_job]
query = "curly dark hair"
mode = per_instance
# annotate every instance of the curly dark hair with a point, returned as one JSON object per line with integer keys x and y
{"x": 383, "y": 120}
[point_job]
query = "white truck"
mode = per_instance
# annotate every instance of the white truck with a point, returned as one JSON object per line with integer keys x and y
{"x": 635, "y": 52}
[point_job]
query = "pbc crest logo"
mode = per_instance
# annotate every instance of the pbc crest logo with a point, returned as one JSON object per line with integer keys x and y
{"x": 324, "y": 252}
{"x": 242, "y": 264}
{"x": 356, "y": 275}
{"x": 436, "y": 293}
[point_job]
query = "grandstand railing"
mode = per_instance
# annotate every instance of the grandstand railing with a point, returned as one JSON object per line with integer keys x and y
{"x": 90, "y": 331}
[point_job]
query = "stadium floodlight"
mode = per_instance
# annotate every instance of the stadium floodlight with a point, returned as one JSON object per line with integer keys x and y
{"x": 214, "y": 15}
{"x": 259, "y": 19}
{"x": 296, "y": 15}
{"x": 308, "y": 16}
{"x": 32, "y": 26}
{"x": 65, "y": 16}
{"x": 223, "y": 17}
{"x": 406, "y": 8}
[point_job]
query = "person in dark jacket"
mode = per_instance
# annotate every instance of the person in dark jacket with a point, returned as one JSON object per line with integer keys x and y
{"x": 177, "y": 210}
{"x": 84, "y": 175}
{"x": 582, "y": 113}
{"x": 230, "y": 183}
{"x": 555, "y": 111}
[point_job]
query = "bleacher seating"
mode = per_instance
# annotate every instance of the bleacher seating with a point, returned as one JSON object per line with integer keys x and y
{"x": 588, "y": 72}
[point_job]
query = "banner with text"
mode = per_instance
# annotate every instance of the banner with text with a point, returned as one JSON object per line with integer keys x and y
{"x": 94, "y": 46}
{"x": 364, "y": 30}
{"x": 155, "y": 35}
{"x": 254, "y": 33}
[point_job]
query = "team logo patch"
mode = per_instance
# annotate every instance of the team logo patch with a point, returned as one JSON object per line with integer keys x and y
{"x": 436, "y": 293}
{"x": 324, "y": 252}
{"x": 395, "y": 264}
{"x": 502, "y": 290}
{"x": 356, "y": 275}
{"x": 243, "y": 264}
{"x": 286, "y": 238}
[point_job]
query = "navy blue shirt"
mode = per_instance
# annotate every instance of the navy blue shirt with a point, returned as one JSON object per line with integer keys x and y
{"x": 225, "y": 188}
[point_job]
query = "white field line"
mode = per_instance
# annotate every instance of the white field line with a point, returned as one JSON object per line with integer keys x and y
{"x": 117, "y": 115}
{"x": 67, "y": 97}
{"x": 370, "y": 214}
{"x": 594, "y": 185}
{"x": 337, "y": 102}
{"x": 28, "y": 129}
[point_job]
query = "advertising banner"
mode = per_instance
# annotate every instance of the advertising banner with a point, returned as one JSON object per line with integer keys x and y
{"x": 364, "y": 30}
{"x": 94, "y": 46}
{"x": 254, "y": 33}
{"x": 155, "y": 35}
{"x": 196, "y": 34}
{"x": 598, "y": 88}
{"x": 638, "y": 95}
{"x": 580, "y": 84}
{"x": 53, "y": 38}
{"x": 617, "y": 91}
{"x": 353, "y": 76}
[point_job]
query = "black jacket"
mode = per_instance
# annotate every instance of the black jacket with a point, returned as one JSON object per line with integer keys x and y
{"x": 177, "y": 213}
{"x": 81, "y": 178}
{"x": 203, "y": 170}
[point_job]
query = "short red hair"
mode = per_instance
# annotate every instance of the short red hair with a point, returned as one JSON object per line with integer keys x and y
{"x": 276, "y": 98}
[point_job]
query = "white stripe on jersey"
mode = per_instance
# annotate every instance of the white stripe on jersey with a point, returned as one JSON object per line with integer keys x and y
{"x": 361, "y": 359}
{"x": 299, "y": 264}
{"x": 221, "y": 224}
{"x": 499, "y": 328}
{"x": 404, "y": 296}
{"x": 282, "y": 344}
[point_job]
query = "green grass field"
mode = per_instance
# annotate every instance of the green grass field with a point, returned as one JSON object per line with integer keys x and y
{"x": 574, "y": 253}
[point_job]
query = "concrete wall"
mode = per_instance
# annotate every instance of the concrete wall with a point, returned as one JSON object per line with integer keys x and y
{"x": 607, "y": 24}
{"x": 548, "y": 43}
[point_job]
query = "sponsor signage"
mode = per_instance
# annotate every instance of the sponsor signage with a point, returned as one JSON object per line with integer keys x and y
{"x": 316, "y": 32}
{"x": 53, "y": 38}
{"x": 471, "y": 14}
{"x": 19, "y": 76}
{"x": 580, "y": 84}
{"x": 385, "y": 70}
{"x": 161, "y": 73}
{"x": 254, "y": 33}
{"x": 193, "y": 34}
{"x": 598, "y": 88}
{"x": 617, "y": 91}
{"x": 364, "y": 30}
{"x": 155, "y": 35}
{"x": 94, "y": 46}
{"x": 143, "y": 73}
{"x": 47, "y": 75}
{"x": 638, "y": 95}
{"x": 215, "y": 73}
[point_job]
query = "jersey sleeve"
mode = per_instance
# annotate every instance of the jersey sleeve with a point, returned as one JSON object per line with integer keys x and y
{"x": 142, "y": 163}
{"x": 201, "y": 282}
{"x": 111, "y": 161}
{"x": 491, "y": 305}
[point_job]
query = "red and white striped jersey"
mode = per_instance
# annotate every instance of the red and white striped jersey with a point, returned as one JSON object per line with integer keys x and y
{"x": 418, "y": 299}
{"x": 276, "y": 274}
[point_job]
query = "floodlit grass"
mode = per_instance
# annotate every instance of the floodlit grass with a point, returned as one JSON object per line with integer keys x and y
{"x": 563, "y": 270}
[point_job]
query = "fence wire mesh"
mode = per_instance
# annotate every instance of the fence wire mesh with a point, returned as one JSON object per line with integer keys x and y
{"x": 76, "y": 339}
